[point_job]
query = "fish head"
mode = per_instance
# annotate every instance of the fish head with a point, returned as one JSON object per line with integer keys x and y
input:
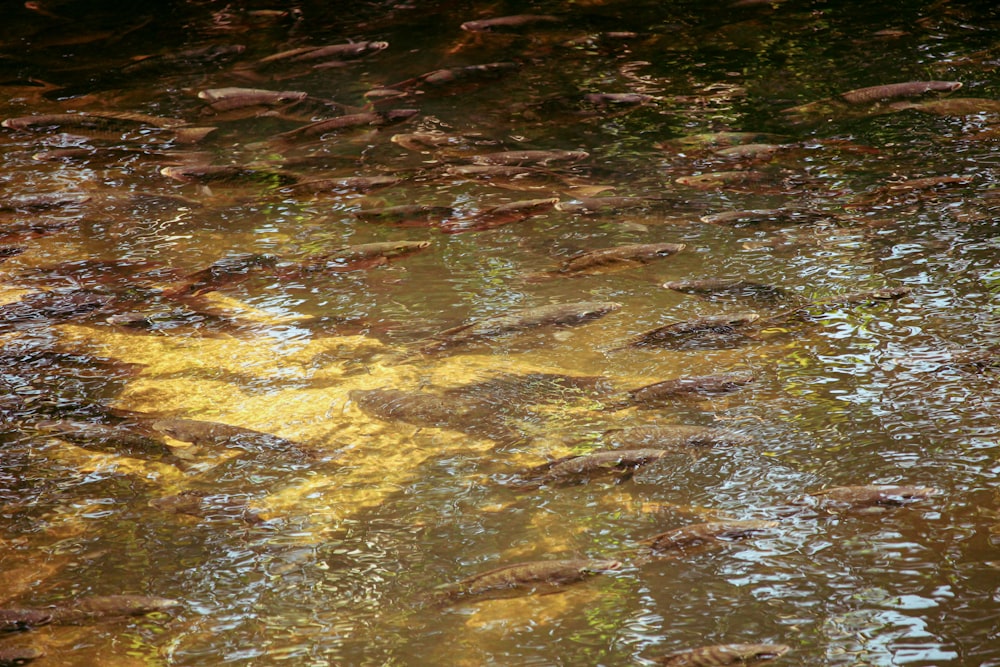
{"x": 761, "y": 652}
{"x": 598, "y": 566}
{"x": 667, "y": 249}
{"x": 401, "y": 248}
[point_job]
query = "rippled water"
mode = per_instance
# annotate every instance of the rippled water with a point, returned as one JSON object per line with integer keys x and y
{"x": 329, "y": 551}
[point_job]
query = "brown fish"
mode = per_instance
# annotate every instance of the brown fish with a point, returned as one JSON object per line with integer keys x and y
{"x": 226, "y": 272}
{"x": 406, "y": 215}
{"x": 518, "y": 158}
{"x": 332, "y": 51}
{"x": 592, "y": 205}
{"x": 227, "y": 173}
{"x": 705, "y": 385}
{"x": 85, "y": 610}
{"x": 126, "y": 438}
{"x": 441, "y": 79}
{"x": 558, "y": 315}
{"x": 724, "y": 654}
{"x": 351, "y": 183}
{"x": 692, "y": 332}
{"x": 204, "y": 505}
{"x": 952, "y": 106}
{"x": 500, "y": 215}
{"x": 19, "y": 655}
{"x": 753, "y": 216}
{"x": 357, "y": 257}
{"x": 321, "y": 128}
{"x": 814, "y": 310}
{"x": 504, "y": 23}
{"x": 894, "y": 91}
{"x": 674, "y": 436}
{"x": 623, "y": 99}
{"x": 726, "y": 288}
{"x": 207, "y": 433}
{"x": 427, "y": 410}
{"x": 858, "y": 497}
{"x": 42, "y": 202}
{"x": 688, "y": 537}
{"x": 743, "y": 180}
{"x": 227, "y": 99}
{"x": 19, "y": 620}
{"x": 618, "y": 257}
{"x": 536, "y": 577}
{"x": 577, "y": 469}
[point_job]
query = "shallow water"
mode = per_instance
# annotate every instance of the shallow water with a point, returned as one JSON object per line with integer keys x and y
{"x": 329, "y": 552}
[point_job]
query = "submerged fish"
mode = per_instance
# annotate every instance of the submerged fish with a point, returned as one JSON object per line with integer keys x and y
{"x": 560, "y": 315}
{"x": 84, "y": 610}
{"x": 227, "y": 173}
{"x": 226, "y": 272}
{"x": 426, "y": 410}
{"x": 724, "y": 654}
{"x": 700, "y": 331}
{"x": 618, "y": 257}
{"x": 894, "y": 91}
{"x": 321, "y": 128}
{"x": 406, "y": 215}
{"x": 441, "y": 79}
{"x": 357, "y": 257}
{"x": 12, "y": 656}
{"x": 577, "y": 469}
{"x": 858, "y": 497}
{"x": 726, "y": 288}
{"x": 502, "y": 23}
{"x": 674, "y": 436}
{"x": 536, "y": 577}
{"x": 689, "y": 537}
{"x": 129, "y": 438}
{"x": 207, "y": 433}
{"x": 517, "y": 158}
{"x": 814, "y": 310}
{"x": 754, "y": 216}
{"x": 706, "y": 385}
{"x": 227, "y": 99}
{"x": 500, "y": 215}
{"x": 19, "y": 620}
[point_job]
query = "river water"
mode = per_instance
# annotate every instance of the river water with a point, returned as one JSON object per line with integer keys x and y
{"x": 329, "y": 544}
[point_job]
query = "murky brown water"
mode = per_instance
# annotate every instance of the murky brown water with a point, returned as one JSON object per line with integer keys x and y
{"x": 326, "y": 544}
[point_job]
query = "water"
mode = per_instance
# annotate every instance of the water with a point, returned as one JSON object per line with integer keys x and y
{"x": 356, "y": 531}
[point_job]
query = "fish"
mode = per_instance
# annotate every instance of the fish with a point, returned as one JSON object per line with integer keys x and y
{"x": 725, "y": 288}
{"x": 467, "y": 415}
{"x": 704, "y": 385}
{"x": 814, "y": 309}
{"x": 115, "y": 123}
{"x": 744, "y": 180}
{"x": 702, "y": 330}
{"x": 518, "y": 158}
{"x": 19, "y": 620}
{"x": 898, "y": 90}
{"x": 623, "y": 99}
{"x": 227, "y": 99}
{"x": 717, "y": 139}
{"x": 331, "y": 51}
{"x": 505, "y": 23}
{"x": 696, "y": 535}
{"x": 754, "y": 216}
{"x": 506, "y": 390}
{"x": 858, "y": 497}
{"x": 59, "y": 305}
{"x": 673, "y": 436}
{"x": 12, "y": 656}
{"x": 618, "y": 257}
{"x": 226, "y": 272}
{"x": 204, "y": 505}
{"x": 751, "y": 151}
{"x": 42, "y": 202}
{"x": 951, "y": 106}
{"x": 228, "y": 174}
{"x": 469, "y": 74}
{"x": 557, "y": 315}
{"x": 534, "y": 577}
{"x": 197, "y": 58}
{"x": 126, "y": 438}
{"x": 88, "y": 609}
{"x": 208, "y": 433}
{"x": 353, "y": 183}
{"x": 406, "y": 215}
{"x": 577, "y": 469}
{"x": 321, "y": 128}
{"x": 724, "y": 654}
{"x": 592, "y": 205}
{"x": 356, "y": 257}
{"x": 502, "y": 214}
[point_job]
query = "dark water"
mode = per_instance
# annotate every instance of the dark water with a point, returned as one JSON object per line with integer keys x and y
{"x": 361, "y": 518}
